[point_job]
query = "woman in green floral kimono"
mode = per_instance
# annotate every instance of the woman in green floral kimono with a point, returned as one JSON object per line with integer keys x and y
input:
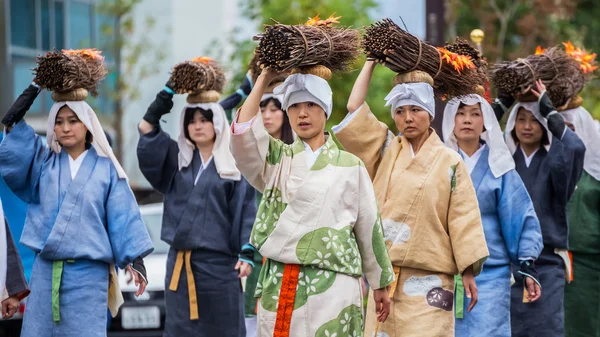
{"x": 318, "y": 224}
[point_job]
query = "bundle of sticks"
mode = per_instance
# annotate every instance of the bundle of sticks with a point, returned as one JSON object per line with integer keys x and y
{"x": 402, "y": 52}
{"x": 463, "y": 47}
{"x": 284, "y": 47}
{"x": 196, "y": 75}
{"x": 559, "y": 72}
{"x": 70, "y": 70}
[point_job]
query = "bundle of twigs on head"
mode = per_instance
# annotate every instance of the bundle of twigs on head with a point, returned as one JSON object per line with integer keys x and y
{"x": 559, "y": 72}
{"x": 402, "y": 52}
{"x": 284, "y": 47}
{"x": 196, "y": 75}
{"x": 70, "y": 70}
{"x": 463, "y": 47}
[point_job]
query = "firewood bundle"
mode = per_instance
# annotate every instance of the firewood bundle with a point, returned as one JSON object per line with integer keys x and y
{"x": 402, "y": 52}
{"x": 70, "y": 70}
{"x": 196, "y": 75}
{"x": 285, "y": 47}
{"x": 463, "y": 47}
{"x": 559, "y": 72}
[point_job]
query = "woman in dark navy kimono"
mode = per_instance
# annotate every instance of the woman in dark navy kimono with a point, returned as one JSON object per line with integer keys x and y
{"x": 209, "y": 210}
{"x": 549, "y": 158}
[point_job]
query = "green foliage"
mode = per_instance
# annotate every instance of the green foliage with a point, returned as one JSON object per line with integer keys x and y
{"x": 354, "y": 13}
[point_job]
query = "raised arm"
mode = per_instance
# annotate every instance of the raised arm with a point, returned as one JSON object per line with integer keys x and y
{"x": 361, "y": 87}
{"x": 20, "y": 107}
{"x": 161, "y": 106}
{"x": 252, "y": 104}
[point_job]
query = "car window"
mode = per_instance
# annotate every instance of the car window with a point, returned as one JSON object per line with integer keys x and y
{"x": 153, "y": 223}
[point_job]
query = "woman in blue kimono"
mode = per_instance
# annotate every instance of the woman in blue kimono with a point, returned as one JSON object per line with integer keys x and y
{"x": 209, "y": 210}
{"x": 512, "y": 230}
{"x": 549, "y": 158}
{"x": 82, "y": 217}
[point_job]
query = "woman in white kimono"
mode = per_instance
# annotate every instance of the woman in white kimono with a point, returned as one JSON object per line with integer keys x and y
{"x": 549, "y": 158}
{"x": 512, "y": 230}
{"x": 82, "y": 218}
{"x": 429, "y": 207}
{"x": 317, "y": 224}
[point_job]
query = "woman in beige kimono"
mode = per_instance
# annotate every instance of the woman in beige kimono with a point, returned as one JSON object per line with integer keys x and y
{"x": 429, "y": 208}
{"x": 317, "y": 225}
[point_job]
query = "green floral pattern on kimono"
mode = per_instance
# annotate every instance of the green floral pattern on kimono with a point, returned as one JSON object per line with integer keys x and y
{"x": 347, "y": 324}
{"x": 452, "y": 176}
{"x": 269, "y": 210}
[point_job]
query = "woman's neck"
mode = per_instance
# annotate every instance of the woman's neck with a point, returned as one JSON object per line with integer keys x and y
{"x": 469, "y": 147}
{"x": 277, "y": 135}
{"x": 316, "y": 141}
{"x": 205, "y": 151}
{"x": 75, "y": 151}
{"x": 417, "y": 142}
{"x": 529, "y": 149}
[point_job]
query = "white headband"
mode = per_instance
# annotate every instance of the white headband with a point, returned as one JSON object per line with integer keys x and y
{"x": 419, "y": 94}
{"x": 299, "y": 88}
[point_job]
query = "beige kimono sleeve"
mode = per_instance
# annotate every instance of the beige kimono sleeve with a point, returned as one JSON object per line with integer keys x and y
{"x": 368, "y": 232}
{"x": 464, "y": 222}
{"x": 363, "y": 135}
{"x": 250, "y": 148}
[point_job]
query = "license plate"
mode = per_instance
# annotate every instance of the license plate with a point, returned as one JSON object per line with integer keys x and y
{"x": 140, "y": 318}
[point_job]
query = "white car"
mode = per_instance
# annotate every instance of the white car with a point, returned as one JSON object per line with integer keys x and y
{"x": 145, "y": 315}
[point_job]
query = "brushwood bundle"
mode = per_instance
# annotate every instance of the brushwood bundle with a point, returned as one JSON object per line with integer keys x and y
{"x": 69, "y": 70}
{"x": 463, "y": 47}
{"x": 402, "y": 52}
{"x": 559, "y": 72}
{"x": 317, "y": 42}
{"x": 196, "y": 75}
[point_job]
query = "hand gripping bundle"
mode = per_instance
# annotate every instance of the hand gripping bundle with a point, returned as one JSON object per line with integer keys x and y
{"x": 70, "y": 74}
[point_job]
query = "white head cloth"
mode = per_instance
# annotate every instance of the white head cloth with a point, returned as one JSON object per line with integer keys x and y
{"x": 221, "y": 154}
{"x": 88, "y": 117}
{"x": 267, "y": 96}
{"x": 587, "y": 129}
{"x": 3, "y": 251}
{"x": 419, "y": 94}
{"x": 510, "y": 124}
{"x": 499, "y": 159}
{"x": 299, "y": 88}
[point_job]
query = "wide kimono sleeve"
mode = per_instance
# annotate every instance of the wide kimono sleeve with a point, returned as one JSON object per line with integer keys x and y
{"x": 363, "y": 135}
{"x": 158, "y": 158}
{"x": 242, "y": 208}
{"x": 368, "y": 232}
{"x": 464, "y": 222}
{"x": 22, "y": 156}
{"x": 257, "y": 154}
{"x": 519, "y": 224}
{"x": 16, "y": 284}
{"x": 566, "y": 164}
{"x": 128, "y": 235}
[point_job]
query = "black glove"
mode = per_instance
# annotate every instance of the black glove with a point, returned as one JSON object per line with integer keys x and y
{"x": 528, "y": 270}
{"x": 21, "y": 106}
{"x": 161, "y": 106}
{"x": 247, "y": 254}
{"x": 138, "y": 266}
{"x": 546, "y": 106}
{"x": 501, "y": 104}
{"x": 234, "y": 99}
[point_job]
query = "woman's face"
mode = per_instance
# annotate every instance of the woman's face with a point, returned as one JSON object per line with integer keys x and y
{"x": 468, "y": 123}
{"x": 528, "y": 128}
{"x": 412, "y": 121}
{"x": 307, "y": 119}
{"x": 201, "y": 130}
{"x": 273, "y": 118}
{"x": 70, "y": 131}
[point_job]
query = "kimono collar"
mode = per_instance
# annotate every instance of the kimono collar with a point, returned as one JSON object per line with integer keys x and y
{"x": 587, "y": 129}
{"x": 500, "y": 158}
{"x": 222, "y": 156}
{"x": 88, "y": 117}
{"x": 3, "y": 250}
{"x": 510, "y": 124}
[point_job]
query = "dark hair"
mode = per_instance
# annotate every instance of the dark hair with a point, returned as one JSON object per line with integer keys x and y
{"x": 189, "y": 116}
{"x": 287, "y": 135}
{"x": 545, "y": 140}
{"x": 462, "y": 105}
